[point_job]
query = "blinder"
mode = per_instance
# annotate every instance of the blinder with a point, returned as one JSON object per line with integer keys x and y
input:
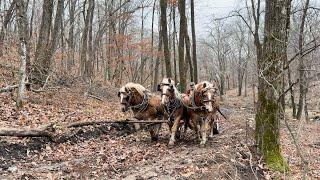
{"x": 165, "y": 84}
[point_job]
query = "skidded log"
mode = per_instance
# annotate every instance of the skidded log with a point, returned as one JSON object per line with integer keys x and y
{"x": 49, "y": 130}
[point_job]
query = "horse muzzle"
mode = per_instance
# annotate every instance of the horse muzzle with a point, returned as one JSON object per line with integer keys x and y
{"x": 124, "y": 107}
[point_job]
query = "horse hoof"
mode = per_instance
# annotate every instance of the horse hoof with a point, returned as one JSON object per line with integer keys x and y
{"x": 202, "y": 144}
{"x": 171, "y": 143}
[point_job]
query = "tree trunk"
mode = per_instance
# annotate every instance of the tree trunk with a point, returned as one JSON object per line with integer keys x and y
{"x": 21, "y": 8}
{"x": 188, "y": 55}
{"x": 301, "y": 68}
{"x": 86, "y": 67}
{"x": 174, "y": 42}
{"x": 270, "y": 87}
{"x": 56, "y": 30}
{"x": 152, "y": 39}
{"x": 182, "y": 67}
{"x": 41, "y": 66}
{"x": 142, "y": 58}
{"x": 164, "y": 34}
{"x": 32, "y": 17}
{"x": 157, "y": 63}
{"x": 71, "y": 46}
{"x": 7, "y": 19}
{"x": 194, "y": 45}
{"x": 89, "y": 65}
{"x": 293, "y": 104}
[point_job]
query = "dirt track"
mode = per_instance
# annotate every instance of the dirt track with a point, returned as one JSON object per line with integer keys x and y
{"x": 116, "y": 152}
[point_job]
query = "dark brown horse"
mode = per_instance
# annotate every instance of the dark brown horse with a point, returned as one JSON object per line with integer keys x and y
{"x": 144, "y": 105}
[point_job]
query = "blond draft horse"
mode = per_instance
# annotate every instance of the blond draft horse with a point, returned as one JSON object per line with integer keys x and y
{"x": 144, "y": 105}
{"x": 204, "y": 104}
{"x": 175, "y": 106}
{"x": 171, "y": 98}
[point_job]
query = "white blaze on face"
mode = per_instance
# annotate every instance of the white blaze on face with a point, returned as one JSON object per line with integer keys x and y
{"x": 164, "y": 97}
{"x": 165, "y": 90}
{"x": 208, "y": 104}
{"x": 122, "y": 97}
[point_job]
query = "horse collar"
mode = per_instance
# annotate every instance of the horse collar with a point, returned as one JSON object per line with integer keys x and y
{"x": 143, "y": 105}
{"x": 172, "y": 105}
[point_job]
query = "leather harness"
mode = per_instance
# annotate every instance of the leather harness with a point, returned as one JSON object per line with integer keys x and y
{"x": 142, "y": 106}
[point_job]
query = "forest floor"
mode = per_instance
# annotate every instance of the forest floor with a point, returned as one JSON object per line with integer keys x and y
{"x": 117, "y": 152}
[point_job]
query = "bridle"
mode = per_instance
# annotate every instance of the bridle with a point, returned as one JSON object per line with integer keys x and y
{"x": 172, "y": 105}
{"x": 202, "y": 100}
{"x": 139, "y": 107}
{"x": 165, "y": 84}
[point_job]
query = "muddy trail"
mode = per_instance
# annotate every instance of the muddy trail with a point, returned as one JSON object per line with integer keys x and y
{"x": 116, "y": 151}
{"x": 107, "y": 152}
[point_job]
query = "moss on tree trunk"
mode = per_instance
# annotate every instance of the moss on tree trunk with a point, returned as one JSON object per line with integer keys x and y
{"x": 270, "y": 69}
{"x": 267, "y": 131}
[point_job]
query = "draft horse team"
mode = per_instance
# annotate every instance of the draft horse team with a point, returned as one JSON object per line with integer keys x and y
{"x": 196, "y": 109}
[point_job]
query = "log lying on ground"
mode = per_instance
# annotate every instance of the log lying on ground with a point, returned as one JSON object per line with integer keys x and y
{"x": 50, "y": 129}
{"x": 8, "y": 88}
{"x": 24, "y": 132}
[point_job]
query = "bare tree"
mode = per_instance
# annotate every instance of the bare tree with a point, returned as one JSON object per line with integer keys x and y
{"x": 301, "y": 69}
{"x": 22, "y": 22}
{"x": 86, "y": 64}
{"x": 41, "y": 65}
{"x": 194, "y": 44}
{"x": 164, "y": 34}
{"x": 7, "y": 19}
{"x": 183, "y": 23}
{"x": 71, "y": 43}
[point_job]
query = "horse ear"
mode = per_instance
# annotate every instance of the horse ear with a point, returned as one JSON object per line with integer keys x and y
{"x": 126, "y": 89}
{"x": 158, "y": 87}
{"x": 169, "y": 80}
{"x": 118, "y": 94}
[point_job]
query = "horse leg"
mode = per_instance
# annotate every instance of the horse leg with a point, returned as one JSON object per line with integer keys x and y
{"x": 154, "y": 132}
{"x": 204, "y": 129}
{"x": 215, "y": 126}
{"x": 174, "y": 130}
{"x": 211, "y": 120}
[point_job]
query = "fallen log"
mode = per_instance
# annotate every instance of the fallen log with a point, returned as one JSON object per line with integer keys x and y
{"x": 49, "y": 130}
{"x": 8, "y": 88}
{"x": 24, "y": 132}
{"x": 90, "y": 123}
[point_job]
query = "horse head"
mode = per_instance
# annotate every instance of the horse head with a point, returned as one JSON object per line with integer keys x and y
{"x": 130, "y": 95}
{"x": 167, "y": 89}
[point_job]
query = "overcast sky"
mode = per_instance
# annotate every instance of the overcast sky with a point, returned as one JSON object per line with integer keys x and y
{"x": 204, "y": 10}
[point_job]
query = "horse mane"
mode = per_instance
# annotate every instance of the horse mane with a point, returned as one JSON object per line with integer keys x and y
{"x": 199, "y": 86}
{"x": 140, "y": 89}
{"x": 176, "y": 91}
